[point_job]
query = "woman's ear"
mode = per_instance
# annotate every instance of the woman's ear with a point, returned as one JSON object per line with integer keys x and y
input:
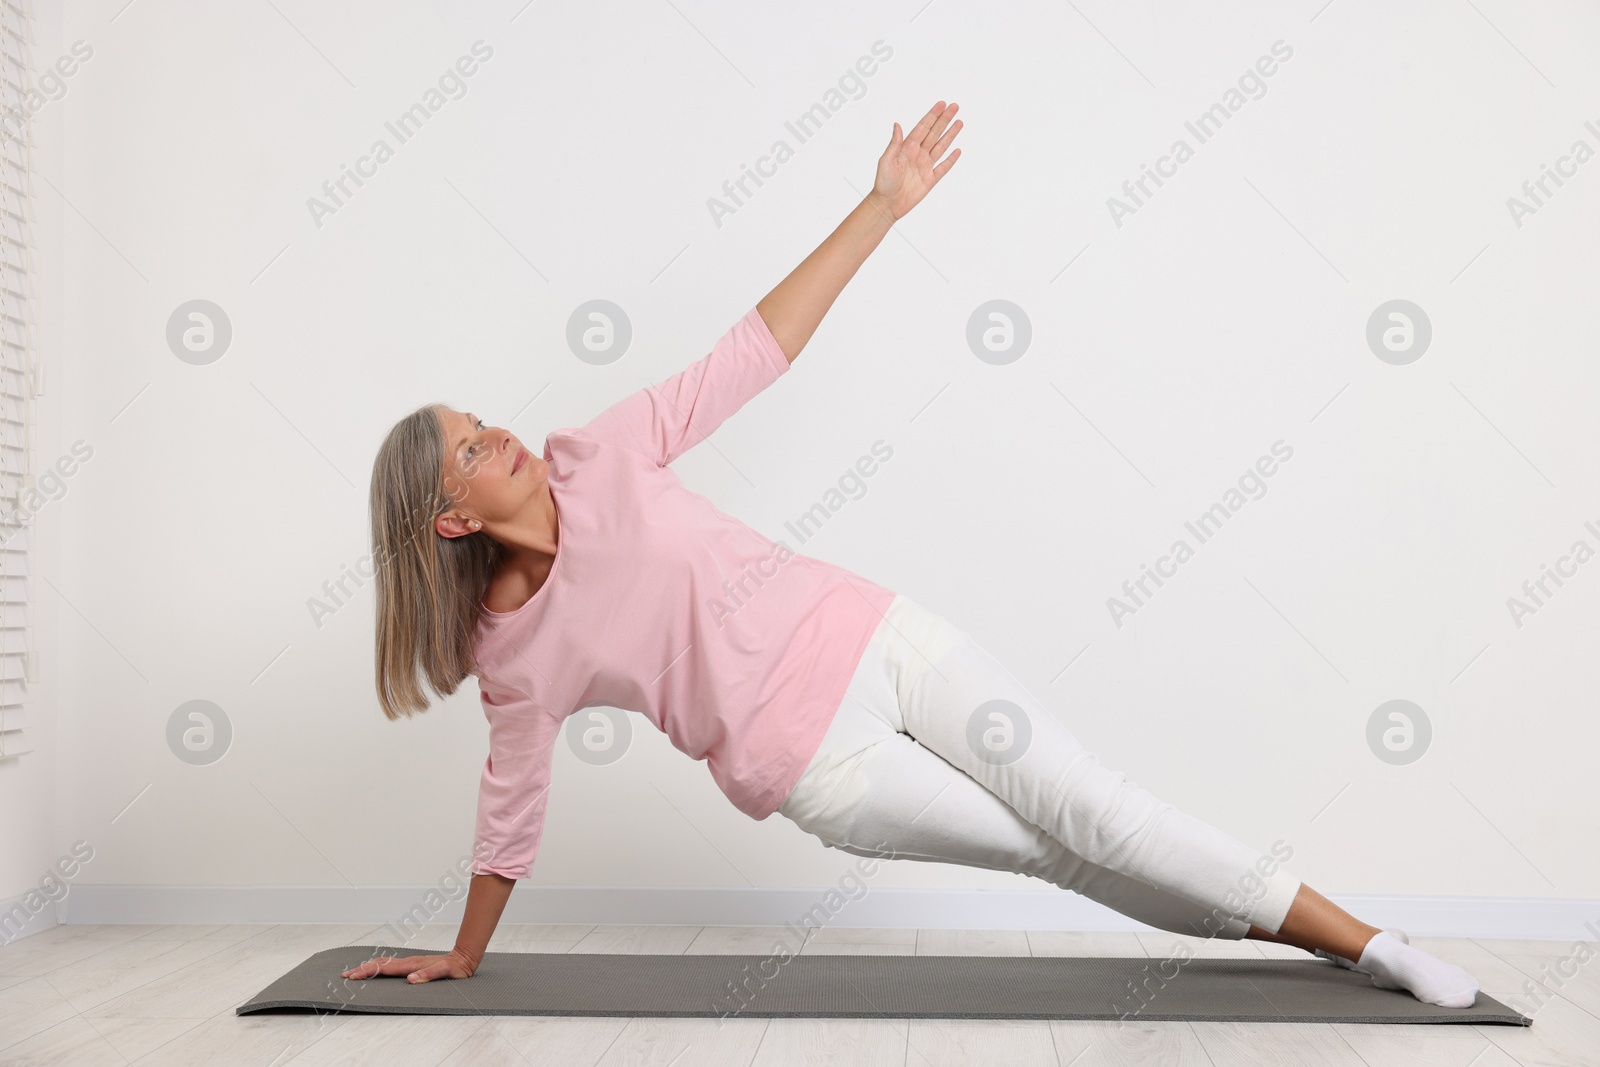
{"x": 454, "y": 525}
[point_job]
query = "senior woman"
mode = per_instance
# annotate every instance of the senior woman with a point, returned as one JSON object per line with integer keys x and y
{"x": 590, "y": 576}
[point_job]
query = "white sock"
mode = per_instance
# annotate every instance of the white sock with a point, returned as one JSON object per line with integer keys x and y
{"x": 1394, "y": 964}
{"x": 1395, "y": 932}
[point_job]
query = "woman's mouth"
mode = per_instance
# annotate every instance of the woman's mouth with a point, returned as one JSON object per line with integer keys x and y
{"x": 522, "y": 458}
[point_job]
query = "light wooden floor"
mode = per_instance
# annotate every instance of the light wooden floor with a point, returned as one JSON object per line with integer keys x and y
{"x": 164, "y": 995}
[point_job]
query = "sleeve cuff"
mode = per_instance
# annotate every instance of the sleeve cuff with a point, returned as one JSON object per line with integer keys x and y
{"x": 769, "y": 344}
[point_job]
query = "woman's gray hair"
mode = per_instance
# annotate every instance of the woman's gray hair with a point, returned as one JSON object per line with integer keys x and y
{"x": 430, "y": 588}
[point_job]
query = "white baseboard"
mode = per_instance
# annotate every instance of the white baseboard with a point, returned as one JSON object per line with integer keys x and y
{"x": 18, "y": 920}
{"x": 1532, "y": 918}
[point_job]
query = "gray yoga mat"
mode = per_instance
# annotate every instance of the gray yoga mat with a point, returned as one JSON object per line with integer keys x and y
{"x": 867, "y": 987}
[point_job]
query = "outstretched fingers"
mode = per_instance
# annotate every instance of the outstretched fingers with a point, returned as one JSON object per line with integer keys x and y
{"x": 932, "y": 135}
{"x": 362, "y": 970}
{"x": 379, "y": 965}
{"x": 943, "y": 144}
{"x": 922, "y": 128}
{"x": 430, "y": 972}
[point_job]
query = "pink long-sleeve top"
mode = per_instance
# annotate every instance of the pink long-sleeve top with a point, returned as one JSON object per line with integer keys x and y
{"x": 733, "y": 645}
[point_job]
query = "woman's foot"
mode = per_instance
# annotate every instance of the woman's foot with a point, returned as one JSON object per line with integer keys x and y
{"x": 1385, "y": 955}
{"x": 1399, "y": 935}
{"x": 1392, "y": 963}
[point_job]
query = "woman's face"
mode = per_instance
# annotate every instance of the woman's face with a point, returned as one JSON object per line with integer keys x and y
{"x": 488, "y": 475}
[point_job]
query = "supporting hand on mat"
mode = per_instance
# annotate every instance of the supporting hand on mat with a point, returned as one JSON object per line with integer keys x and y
{"x": 485, "y": 901}
{"x": 906, "y": 172}
{"x": 415, "y": 968}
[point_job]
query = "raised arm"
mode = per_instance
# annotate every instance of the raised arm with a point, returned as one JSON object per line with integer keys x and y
{"x": 906, "y": 172}
{"x": 662, "y": 420}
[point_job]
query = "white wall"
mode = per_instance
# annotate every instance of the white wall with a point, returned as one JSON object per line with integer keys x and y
{"x": 1229, "y": 312}
{"x": 31, "y": 845}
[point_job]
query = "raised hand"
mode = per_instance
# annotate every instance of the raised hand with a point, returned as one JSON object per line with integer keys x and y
{"x": 906, "y": 171}
{"x": 415, "y": 968}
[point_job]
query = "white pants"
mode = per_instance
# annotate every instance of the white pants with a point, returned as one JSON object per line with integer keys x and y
{"x": 937, "y": 753}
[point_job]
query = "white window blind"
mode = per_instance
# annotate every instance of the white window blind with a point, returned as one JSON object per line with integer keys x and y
{"x": 19, "y": 383}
